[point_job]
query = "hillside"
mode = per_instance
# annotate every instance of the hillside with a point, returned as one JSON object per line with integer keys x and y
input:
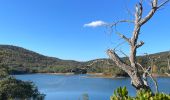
{"x": 20, "y": 60}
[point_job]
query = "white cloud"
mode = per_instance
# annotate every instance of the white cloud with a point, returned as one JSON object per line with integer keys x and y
{"x": 95, "y": 24}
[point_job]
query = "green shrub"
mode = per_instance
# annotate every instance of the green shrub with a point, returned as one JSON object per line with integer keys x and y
{"x": 12, "y": 88}
{"x": 122, "y": 94}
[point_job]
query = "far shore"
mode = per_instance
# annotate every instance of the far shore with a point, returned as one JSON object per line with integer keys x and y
{"x": 101, "y": 75}
{"x": 90, "y": 75}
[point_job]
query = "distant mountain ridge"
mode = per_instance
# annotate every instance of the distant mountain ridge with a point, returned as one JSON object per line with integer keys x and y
{"x": 21, "y": 60}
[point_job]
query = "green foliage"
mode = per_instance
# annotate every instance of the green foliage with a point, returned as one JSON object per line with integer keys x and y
{"x": 3, "y": 71}
{"x": 144, "y": 95}
{"x": 122, "y": 94}
{"x": 12, "y": 89}
{"x": 148, "y": 95}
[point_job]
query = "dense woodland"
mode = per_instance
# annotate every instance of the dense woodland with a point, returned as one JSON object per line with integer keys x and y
{"x": 20, "y": 61}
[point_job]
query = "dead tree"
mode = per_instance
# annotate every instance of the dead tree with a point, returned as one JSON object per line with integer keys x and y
{"x": 133, "y": 69}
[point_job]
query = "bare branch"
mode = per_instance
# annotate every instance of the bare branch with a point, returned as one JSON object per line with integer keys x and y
{"x": 118, "y": 22}
{"x": 118, "y": 61}
{"x": 138, "y": 13}
{"x": 151, "y": 13}
{"x": 120, "y": 34}
{"x": 128, "y": 10}
{"x": 163, "y": 3}
{"x": 140, "y": 44}
{"x": 123, "y": 37}
{"x": 121, "y": 21}
{"x": 123, "y": 53}
{"x": 147, "y": 72}
{"x": 119, "y": 44}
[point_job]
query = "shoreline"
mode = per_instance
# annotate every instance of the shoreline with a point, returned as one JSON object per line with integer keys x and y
{"x": 90, "y": 75}
{"x": 101, "y": 75}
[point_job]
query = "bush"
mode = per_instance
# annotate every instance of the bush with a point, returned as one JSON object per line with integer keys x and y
{"x": 122, "y": 94}
{"x": 12, "y": 88}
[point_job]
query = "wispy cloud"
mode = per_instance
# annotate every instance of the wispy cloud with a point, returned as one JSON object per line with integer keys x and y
{"x": 95, "y": 24}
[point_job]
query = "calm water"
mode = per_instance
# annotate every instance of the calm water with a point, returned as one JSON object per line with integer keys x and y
{"x": 61, "y": 87}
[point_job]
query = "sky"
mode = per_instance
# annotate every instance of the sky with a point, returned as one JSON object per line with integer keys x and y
{"x": 66, "y": 28}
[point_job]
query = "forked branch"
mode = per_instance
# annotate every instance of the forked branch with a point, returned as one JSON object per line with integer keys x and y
{"x": 145, "y": 74}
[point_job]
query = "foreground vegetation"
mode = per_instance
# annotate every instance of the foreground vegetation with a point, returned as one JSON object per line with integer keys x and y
{"x": 14, "y": 89}
{"x": 122, "y": 94}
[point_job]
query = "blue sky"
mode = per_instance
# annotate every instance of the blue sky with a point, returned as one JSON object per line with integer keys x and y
{"x": 56, "y": 27}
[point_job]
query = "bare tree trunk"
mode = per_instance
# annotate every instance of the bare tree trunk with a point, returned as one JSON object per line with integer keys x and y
{"x": 136, "y": 79}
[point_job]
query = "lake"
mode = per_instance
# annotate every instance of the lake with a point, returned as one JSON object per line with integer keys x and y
{"x": 72, "y": 87}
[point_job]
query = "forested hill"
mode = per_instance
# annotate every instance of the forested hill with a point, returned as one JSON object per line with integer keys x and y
{"x": 23, "y": 60}
{"x": 20, "y": 60}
